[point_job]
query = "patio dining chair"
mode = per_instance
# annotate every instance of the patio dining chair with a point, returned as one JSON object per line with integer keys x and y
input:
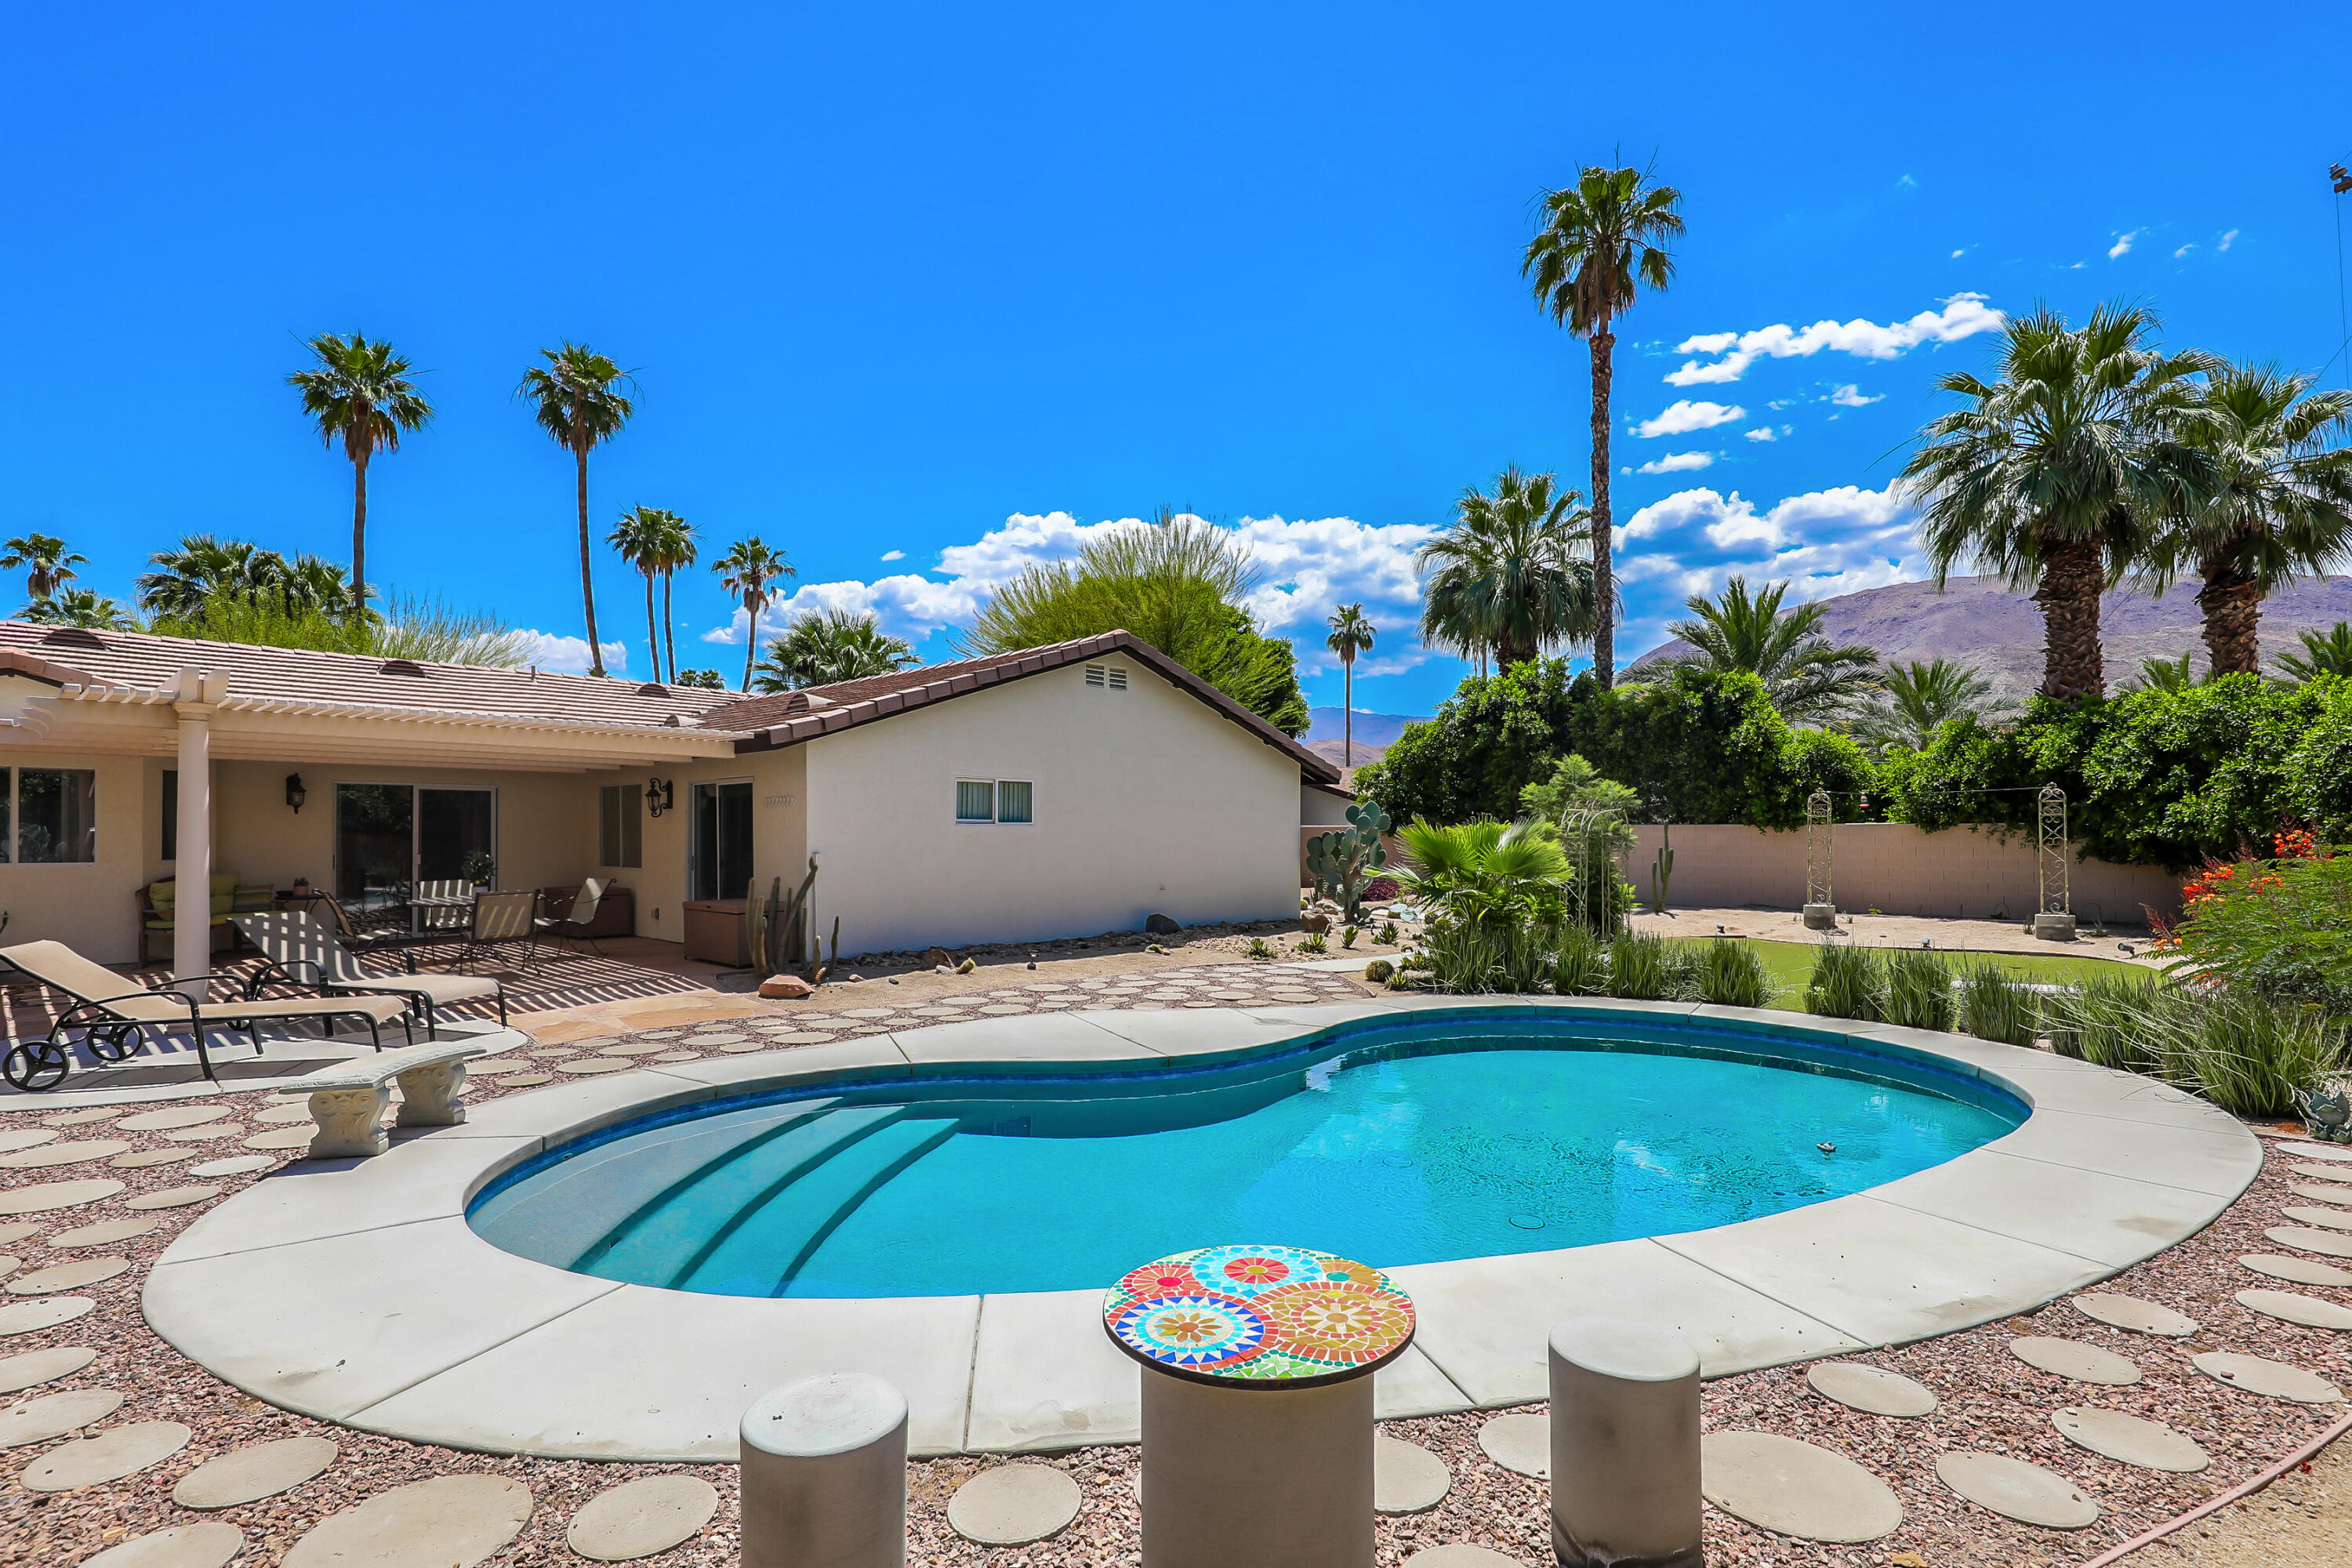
{"x": 573, "y": 923}
{"x": 300, "y": 950}
{"x": 440, "y": 903}
{"x": 112, "y": 1014}
{"x": 374, "y": 939}
{"x": 500, "y": 920}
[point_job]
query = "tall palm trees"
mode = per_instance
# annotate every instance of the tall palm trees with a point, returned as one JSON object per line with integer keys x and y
{"x": 639, "y": 538}
{"x": 2272, "y": 499}
{"x": 360, "y": 391}
{"x": 576, "y": 399}
{"x": 1602, "y": 237}
{"x": 677, "y": 549}
{"x": 1352, "y": 633}
{"x": 47, "y": 565}
{"x": 745, "y": 570}
{"x": 1514, "y": 576}
{"x": 1808, "y": 676}
{"x": 2055, "y": 471}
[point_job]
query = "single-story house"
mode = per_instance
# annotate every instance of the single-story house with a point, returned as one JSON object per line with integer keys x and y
{"x": 1054, "y": 791}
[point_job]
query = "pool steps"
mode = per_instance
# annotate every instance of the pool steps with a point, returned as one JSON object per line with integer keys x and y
{"x": 762, "y": 1257}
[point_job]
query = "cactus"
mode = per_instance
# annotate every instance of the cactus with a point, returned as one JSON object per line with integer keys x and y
{"x": 1342, "y": 861}
{"x": 1662, "y": 872}
{"x": 755, "y": 931}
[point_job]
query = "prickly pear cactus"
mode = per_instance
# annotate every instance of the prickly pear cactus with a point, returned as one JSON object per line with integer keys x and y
{"x": 1343, "y": 860}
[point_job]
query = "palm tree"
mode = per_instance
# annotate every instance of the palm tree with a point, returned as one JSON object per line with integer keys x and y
{"x": 2323, "y": 654}
{"x": 360, "y": 391}
{"x": 2275, "y": 501}
{"x": 578, "y": 403}
{"x": 677, "y": 552}
{"x": 49, "y": 565}
{"x": 640, "y": 538}
{"x": 822, "y": 647}
{"x": 1808, "y": 676}
{"x": 1602, "y": 237}
{"x": 308, "y": 582}
{"x": 2162, "y": 675}
{"x": 84, "y": 607}
{"x": 1352, "y": 633}
{"x": 201, "y": 566}
{"x": 1921, "y": 698}
{"x": 745, "y": 570}
{"x": 2053, "y": 473}
{"x": 1513, "y": 577}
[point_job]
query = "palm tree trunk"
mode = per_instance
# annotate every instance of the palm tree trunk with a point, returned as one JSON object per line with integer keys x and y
{"x": 587, "y": 583}
{"x": 359, "y": 539}
{"x": 751, "y": 644}
{"x": 2073, "y": 664}
{"x": 1347, "y": 712}
{"x": 2232, "y": 606}
{"x": 1605, "y": 620}
{"x": 669, "y": 626}
{"x": 653, "y": 637}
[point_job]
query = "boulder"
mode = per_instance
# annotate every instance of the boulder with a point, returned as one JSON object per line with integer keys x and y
{"x": 786, "y": 987}
{"x": 1316, "y": 925}
{"x": 940, "y": 958}
{"x": 1160, "y": 925}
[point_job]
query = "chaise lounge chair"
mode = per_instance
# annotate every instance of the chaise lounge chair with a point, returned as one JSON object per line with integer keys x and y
{"x": 574, "y": 924}
{"x": 301, "y": 950}
{"x": 109, "y": 1015}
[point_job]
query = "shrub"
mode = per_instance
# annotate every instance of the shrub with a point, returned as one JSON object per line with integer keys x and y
{"x": 1844, "y": 982}
{"x": 1258, "y": 948}
{"x": 2103, "y": 1021}
{"x": 1994, "y": 1007}
{"x": 1731, "y": 975}
{"x": 1313, "y": 943}
{"x": 1638, "y": 971}
{"x": 1348, "y": 935}
{"x": 2279, "y": 928}
{"x": 1919, "y": 989}
{"x": 1386, "y": 936}
{"x": 2246, "y": 1053}
{"x": 1580, "y": 967}
{"x": 1379, "y": 970}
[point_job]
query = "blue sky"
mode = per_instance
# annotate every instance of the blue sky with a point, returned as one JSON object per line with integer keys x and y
{"x": 918, "y": 292}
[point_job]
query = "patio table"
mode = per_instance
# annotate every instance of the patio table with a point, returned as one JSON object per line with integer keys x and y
{"x": 1257, "y": 1402}
{"x": 419, "y": 908}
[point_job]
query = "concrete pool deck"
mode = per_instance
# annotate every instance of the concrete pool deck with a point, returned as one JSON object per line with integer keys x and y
{"x": 355, "y": 1292}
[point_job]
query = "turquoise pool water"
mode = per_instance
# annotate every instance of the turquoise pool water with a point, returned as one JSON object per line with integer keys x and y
{"x": 1438, "y": 1140}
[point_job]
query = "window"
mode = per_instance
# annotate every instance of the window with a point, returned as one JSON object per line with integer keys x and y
{"x": 720, "y": 867}
{"x": 1012, "y": 800}
{"x": 621, "y": 814}
{"x": 171, "y": 814}
{"x": 975, "y": 799}
{"x": 56, "y": 815}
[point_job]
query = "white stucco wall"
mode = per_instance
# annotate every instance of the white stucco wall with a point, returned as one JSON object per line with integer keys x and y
{"x": 87, "y": 904}
{"x": 1144, "y": 800}
{"x": 779, "y": 796}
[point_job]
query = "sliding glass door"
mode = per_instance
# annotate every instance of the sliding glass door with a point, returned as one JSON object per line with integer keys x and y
{"x": 390, "y": 837}
{"x": 721, "y": 865}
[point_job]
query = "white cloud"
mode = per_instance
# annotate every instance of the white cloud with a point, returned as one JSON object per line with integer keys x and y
{"x": 2226, "y": 239}
{"x": 1963, "y": 315}
{"x": 894, "y": 556}
{"x": 569, "y": 655}
{"x": 1681, "y": 418}
{"x": 1678, "y": 462}
{"x": 1764, "y": 432}
{"x": 1851, "y": 396}
{"x": 1958, "y": 254}
{"x": 2124, "y": 242}
{"x": 1907, "y": 183}
{"x": 1825, "y": 542}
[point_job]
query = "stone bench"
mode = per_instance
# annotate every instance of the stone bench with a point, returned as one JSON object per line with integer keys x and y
{"x": 348, "y": 1101}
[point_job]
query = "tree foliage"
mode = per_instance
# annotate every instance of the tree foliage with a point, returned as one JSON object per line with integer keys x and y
{"x": 1513, "y": 577}
{"x": 821, "y": 646}
{"x": 1809, "y": 678}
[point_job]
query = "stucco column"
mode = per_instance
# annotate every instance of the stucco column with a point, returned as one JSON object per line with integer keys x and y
{"x": 191, "y": 929}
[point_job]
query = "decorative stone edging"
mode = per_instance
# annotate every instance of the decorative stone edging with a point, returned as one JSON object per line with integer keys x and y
{"x": 356, "y": 1292}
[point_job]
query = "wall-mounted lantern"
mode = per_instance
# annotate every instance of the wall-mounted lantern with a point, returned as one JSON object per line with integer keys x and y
{"x": 295, "y": 793}
{"x": 658, "y": 797}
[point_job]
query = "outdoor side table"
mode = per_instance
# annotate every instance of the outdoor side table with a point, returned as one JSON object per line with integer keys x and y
{"x": 1257, "y": 1403}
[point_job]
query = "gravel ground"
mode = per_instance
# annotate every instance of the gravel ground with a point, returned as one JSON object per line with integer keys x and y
{"x": 1990, "y": 1400}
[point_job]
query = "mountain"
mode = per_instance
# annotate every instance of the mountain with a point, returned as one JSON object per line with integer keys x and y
{"x": 1980, "y": 621}
{"x": 1371, "y": 729}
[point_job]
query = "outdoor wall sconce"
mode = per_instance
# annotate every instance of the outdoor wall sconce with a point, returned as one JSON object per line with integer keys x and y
{"x": 295, "y": 793}
{"x": 658, "y": 797}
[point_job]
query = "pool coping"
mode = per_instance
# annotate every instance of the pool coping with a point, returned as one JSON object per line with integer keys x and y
{"x": 355, "y": 1292}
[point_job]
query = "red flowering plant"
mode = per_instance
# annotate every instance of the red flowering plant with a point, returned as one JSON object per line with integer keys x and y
{"x": 2279, "y": 926}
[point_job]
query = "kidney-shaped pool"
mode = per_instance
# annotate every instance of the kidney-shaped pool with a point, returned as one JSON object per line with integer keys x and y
{"x": 1398, "y": 1142}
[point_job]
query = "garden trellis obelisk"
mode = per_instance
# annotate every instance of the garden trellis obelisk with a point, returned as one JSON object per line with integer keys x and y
{"x": 1820, "y": 901}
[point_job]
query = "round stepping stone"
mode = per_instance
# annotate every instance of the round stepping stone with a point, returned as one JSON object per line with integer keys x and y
{"x": 2301, "y": 1270}
{"x": 1519, "y": 1443}
{"x": 171, "y": 1198}
{"x": 84, "y": 1117}
{"x": 34, "y": 1368}
{"x": 637, "y": 1518}
{"x": 2325, "y": 1173}
{"x": 248, "y": 1475}
{"x": 1789, "y": 1488}
{"x": 2317, "y": 1151}
{"x": 103, "y": 1232}
{"x": 13, "y": 1233}
{"x": 175, "y": 1117}
{"x": 280, "y": 1138}
{"x": 15, "y": 1138}
{"x": 2131, "y": 1312}
{"x": 9, "y": 1266}
{"x": 2285, "y": 1305}
{"x": 2321, "y": 1192}
{"x": 1407, "y": 1478}
{"x": 723, "y": 1038}
{"x": 72, "y": 1153}
{"x": 142, "y": 1159}
{"x": 671, "y": 1058}
{"x": 1461, "y": 1555}
{"x": 526, "y": 1079}
{"x": 74, "y": 1275}
{"x": 583, "y": 1065}
{"x": 2128, "y": 1440}
{"x": 208, "y": 1543}
{"x": 475, "y": 1069}
{"x": 2328, "y": 1219}
{"x": 2273, "y": 1378}
{"x": 278, "y": 1114}
{"x": 55, "y": 1415}
{"x": 450, "y": 1522}
{"x": 42, "y": 1197}
{"x": 206, "y": 1133}
{"x": 744, "y": 1048}
{"x": 2072, "y": 1359}
{"x": 638, "y": 1047}
{"x": 117, "y": 1452}
{"x": 2326, "y": 1243}
{"x": 1870, "y": 1388}
{"x": 2015, "y": 1489}
{"x": 30, "y": 1316}
{"x": 1011, "y": 1504}
{"x": 235, "y": 1166}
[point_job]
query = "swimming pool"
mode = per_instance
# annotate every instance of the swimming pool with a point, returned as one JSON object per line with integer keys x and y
{"x": 1398, "y": 1142}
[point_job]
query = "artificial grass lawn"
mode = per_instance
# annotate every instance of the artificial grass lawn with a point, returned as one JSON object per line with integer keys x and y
{"x": 1790, "y": 965}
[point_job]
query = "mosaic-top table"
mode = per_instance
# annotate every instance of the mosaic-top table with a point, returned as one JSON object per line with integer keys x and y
{"x": 1266, "y": 1316}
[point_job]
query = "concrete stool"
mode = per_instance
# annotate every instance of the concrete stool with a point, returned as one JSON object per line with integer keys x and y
{"x": 1257, "y": 1403}
{"x": 824, "y": 1475}
{"x": 1624, "y": 1447}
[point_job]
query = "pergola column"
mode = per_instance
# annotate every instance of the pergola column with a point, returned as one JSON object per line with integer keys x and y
{"x": 192, "y": 924}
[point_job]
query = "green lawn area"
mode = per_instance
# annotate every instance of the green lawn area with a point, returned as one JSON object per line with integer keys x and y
{"x": 1790, "y": 964}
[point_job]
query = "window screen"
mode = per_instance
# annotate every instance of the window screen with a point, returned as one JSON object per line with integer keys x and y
{"x": 1012, "y": 800}
{"x": 621, "y": 835}
{"x": 56, "y": 815}
{"x": 975, "y": 799}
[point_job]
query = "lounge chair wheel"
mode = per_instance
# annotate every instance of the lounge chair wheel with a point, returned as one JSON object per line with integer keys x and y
{"x": 36, "y": 1064}
{"x": 112, "y": 1045}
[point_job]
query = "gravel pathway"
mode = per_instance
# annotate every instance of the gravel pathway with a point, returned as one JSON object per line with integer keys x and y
{"x": 1990, "y": 1398}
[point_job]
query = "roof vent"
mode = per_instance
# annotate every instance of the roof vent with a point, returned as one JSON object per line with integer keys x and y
{"x": 653, "y": 689}
{"x": 74, "y": 637}
{"x": 1118, "y": 679}
{"x": 672, "y": 720}
{"x": 400, "y": 667}
{"x": 1094, "y": 675}
{"x": 797, "y": 702}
